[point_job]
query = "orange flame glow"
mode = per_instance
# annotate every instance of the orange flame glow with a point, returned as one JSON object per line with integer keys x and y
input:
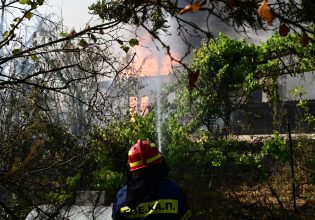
{"x": 147, "y": 58}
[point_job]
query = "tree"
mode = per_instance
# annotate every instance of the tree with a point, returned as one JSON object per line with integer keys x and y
{"x": 57, "y": 64}
{"x": 49, "y": 85}
{"x": 226, "y": 65}
{"x": 194, "y": 20}
{"x": 109, "y": 150}
{"x": 42, "y": 59}
{"x": 229, "y": 70}
{"x": 35, "y": 162}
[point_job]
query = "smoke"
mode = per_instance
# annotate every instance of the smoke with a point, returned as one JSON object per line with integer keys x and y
{"x": 184, "y": 38}
{"x": 148, "y": 53}
{"x": 190, "y": 38}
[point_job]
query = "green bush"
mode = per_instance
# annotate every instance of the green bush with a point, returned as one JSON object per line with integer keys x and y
{"x": 109, "y": 148}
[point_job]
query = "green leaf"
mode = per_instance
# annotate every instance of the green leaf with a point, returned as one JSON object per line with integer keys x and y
{"x": 17, "y": 19}
{"x": 34, "y": 5}
{"x": 5, "y": 34}
{"x": 215, "y": 163}
{"x": 34, "y": 57}
{"x": 40, "y": 2}
{"x": 133, "y": 42}
{"x": 125, "y": 48}
{"x": 29, "y": 15}
{"x": 16, "y": 51}
{"x": 23, "y": 2}
{"x": 63, "y": 34}
{"x": 120, "y": 41}
{"x": 83, "y": 43}
{"x": 93, "y": 38}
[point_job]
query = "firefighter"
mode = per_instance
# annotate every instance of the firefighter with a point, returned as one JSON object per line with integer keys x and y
{"x": 148, "y": 194}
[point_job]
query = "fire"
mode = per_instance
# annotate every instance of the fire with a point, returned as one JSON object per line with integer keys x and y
{"x": 148, "y": 63}
{"x": 147, "y": 58}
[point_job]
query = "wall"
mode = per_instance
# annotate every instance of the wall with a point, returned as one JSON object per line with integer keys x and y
{"x": 288, "y": 83}
{"x": 257, "y": 118}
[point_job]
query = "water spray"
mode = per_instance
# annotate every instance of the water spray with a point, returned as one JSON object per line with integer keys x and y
{"x": 158, "y": 100}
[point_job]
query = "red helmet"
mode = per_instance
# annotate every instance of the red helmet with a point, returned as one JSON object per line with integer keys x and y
{"x": 143, "y": 154}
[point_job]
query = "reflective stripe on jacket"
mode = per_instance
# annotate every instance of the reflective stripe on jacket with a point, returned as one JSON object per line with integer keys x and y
{"x": 169, "y": 204}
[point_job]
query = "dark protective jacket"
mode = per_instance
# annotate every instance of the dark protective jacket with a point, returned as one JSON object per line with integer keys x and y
{"x": 168, "y": 203}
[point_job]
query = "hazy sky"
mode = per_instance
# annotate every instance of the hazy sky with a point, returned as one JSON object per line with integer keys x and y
{"x": 74, "y": 12}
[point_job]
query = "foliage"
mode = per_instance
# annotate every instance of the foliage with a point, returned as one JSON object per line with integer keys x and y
{"x": 198, "y": 16}
{"x": 236, "y": 13}
{"x": 304, "y": 154}
{"x": 134, "y": 12}
{"x": 49, "y": 91}
{"x": 59, "y": 197}
{"x": 303, "y": 108}
{"x": 107, "y": 179}
{"x": 39, "y": 70}
{"x": 40, "y": 54}
{"x": 178, "y": 147}
{"x": 229, "y": 71}
{"x": 234, "y": 178}
{"x": 109, "y": 149}
{"x": 32, "y": 165}
{"x": 226, "y": 76}
{"x": 275, "y": 149}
